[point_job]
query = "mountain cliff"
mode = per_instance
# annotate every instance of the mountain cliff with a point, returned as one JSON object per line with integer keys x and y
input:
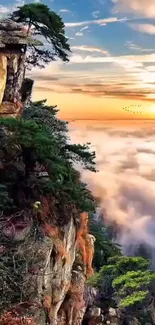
{"x": 46, "y": 250}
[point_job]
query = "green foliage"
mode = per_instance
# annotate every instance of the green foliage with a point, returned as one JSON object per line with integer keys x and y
{"x": 46, "y": 117}
{"x": 35, "y": 142}
{"x": 133, "y": 279}
{"x": 134, "y": 298}
{"x": 81, "y": 154}
{"x": 128, "y": 263}
{"x": 127, "y": 279}
{"x": 46, "y": 25}
{"x": 39, "y": 137}
{"x": 104, "y": 247}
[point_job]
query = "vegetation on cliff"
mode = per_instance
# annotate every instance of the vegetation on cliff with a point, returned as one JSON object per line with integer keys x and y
{"x": 31, "y": 141}
{"x": 48, "y": 28}
{"x": 41, "y": 191}
{"x": 104, "y": 246}
{"x": 127, "y": 283}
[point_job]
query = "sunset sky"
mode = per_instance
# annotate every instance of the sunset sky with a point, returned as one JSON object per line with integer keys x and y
{"x": 112, "y": 64}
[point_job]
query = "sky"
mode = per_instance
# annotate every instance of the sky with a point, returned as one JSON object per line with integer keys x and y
{"x": 111, "y": 73}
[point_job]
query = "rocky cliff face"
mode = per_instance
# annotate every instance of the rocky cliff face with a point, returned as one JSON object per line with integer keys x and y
{"x": 46, "y": 263}
{"x": 47, "y": 268}
{"x": 3, "y": 73}
{"x": 13, "y": 39}
{"x": 62, "y": 288}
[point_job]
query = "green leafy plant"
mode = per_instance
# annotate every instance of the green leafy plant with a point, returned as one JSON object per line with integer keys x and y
{"x": 127, "y": 279}
{"x": 48, "y": 27}
{"x": 35, "y": 141}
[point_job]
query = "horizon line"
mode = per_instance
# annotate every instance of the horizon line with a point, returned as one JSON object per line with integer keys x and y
{"x": 112, "y": 119}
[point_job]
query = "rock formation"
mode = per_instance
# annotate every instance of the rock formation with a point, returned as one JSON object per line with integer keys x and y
{"x": 3, "y": 74}
{"x": 47, "y": 263}
{"x": 55, "y": 280}
{"x": 13, "y": 40}
{"x": 61, "y": 258}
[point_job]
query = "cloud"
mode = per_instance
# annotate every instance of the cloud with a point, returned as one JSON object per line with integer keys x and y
{"x": 84, "y": 28}
{"x": 100, "y": 90}
{"x": 151, "y": 68}
{"x": 95, "y": 14}
{"x": 100, "y": 22}
{"x": 139, "y": 7}
{"x": 5, "y": 10}
{"x": 128, "y": 61}
{"x": 143, "y": 28}
{"x": 125, "y": 181}
{"x": 49, "y": 70}
{"x": 93, "y": 72}
{"x": 86, "y": 48}
{"x": 78, "y": 34}
{"x": 135, "y": 47}
{"x": 64, "y": 10}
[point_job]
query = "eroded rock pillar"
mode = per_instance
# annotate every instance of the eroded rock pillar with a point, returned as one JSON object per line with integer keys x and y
{"x": 3, "y": 75}
{"x": 14, "y": 79}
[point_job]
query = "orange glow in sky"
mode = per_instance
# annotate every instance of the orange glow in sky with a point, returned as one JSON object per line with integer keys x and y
{"x": 111, "y": 65}
{"x": 77, "y": 106}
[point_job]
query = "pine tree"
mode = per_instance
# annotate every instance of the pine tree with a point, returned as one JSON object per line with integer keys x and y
{"x": 32, "y": 143}
{"x": 128, "y": 281}
{"x": 104, "y": 247}
{"x": 49, "y": 28}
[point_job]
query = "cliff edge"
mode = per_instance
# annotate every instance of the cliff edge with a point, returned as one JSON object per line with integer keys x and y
{"x": 46, "y": 250}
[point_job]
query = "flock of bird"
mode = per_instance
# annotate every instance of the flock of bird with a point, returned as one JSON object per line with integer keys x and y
{"x": 133, "y": 109}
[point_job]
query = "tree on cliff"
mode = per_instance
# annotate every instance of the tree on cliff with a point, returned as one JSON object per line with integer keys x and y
{"x": 49, "y": 28}
{"x": 45, "y": 115}
{"x": 38, "y": 137}
{"x": 128, "y": 283}
{"x": 36, "y": 165}
{"x": 104, "y": 246}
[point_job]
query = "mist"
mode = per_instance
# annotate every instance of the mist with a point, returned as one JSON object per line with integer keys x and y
{"x": 125, "y": 181}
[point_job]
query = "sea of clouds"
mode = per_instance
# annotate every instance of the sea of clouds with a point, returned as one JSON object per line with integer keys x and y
{"x": 125, "y": 182}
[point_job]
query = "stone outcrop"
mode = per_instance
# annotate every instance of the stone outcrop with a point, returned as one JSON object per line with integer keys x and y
{"x": 3, "y": 73}
{"x": 56, "y": 264}
{"x": 64, "y": 283}
{"x": 54, "y": 282}
{"x": 13, "y": 43}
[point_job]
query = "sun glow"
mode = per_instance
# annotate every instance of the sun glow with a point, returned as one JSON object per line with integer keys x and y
{"x": 151, "y": 110}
